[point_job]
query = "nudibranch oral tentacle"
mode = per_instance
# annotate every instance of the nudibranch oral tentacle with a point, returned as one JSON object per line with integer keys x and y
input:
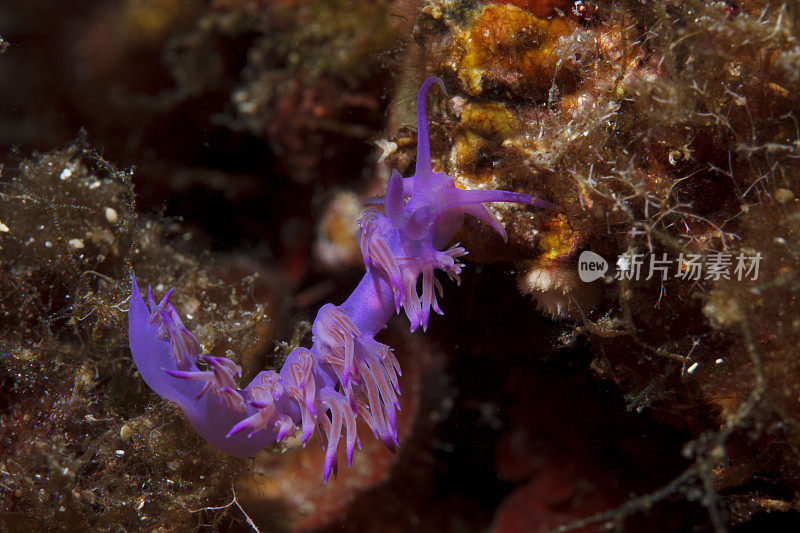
{"x": 346, "y": 373}
{"x": 423, "y": 172}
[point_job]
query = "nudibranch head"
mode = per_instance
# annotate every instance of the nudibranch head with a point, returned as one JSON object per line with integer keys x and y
{"x": 428, "y": 204}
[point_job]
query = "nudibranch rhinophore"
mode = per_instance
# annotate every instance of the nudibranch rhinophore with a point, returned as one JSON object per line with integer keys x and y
{"x": 346, "y": 373}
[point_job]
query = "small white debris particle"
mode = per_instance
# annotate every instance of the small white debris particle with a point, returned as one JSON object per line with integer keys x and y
{"x": 783, "y": 195}
{"x": 248, "y": 108}
{"x": 4, "y": 228}
{"x": 387, "y": 148}
{"x": 692, "y": 368}
{"x": 191, "y": 306}
{"x": 111, "y": 215}
{"x": 65, "y": 174}
{"x": 119, "y": 453}
{"x": 76, "y": 244}
{"x": 718, "y": 361}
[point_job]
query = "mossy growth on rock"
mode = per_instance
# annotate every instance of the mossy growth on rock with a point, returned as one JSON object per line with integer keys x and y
{"x": 84, "y": 445}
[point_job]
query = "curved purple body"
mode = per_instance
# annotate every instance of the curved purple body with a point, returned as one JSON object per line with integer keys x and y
{"x": 346, "y": 373}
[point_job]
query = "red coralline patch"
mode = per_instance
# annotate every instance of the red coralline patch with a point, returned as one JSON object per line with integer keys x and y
{"x": 539, "y": 8}
{"x": 571, "y": 454}
{"x": 564, "y": 483}
{"x": 561, "y": 492}
{"x": 290, "y": 484}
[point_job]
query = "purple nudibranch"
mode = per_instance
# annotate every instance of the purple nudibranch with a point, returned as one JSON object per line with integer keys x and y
{"x": 346, "y": 373}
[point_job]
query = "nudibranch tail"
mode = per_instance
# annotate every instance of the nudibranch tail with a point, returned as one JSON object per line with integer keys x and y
{"x": 346, "y": 374}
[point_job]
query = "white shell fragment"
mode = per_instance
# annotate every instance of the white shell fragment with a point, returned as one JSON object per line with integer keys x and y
{"x": 111, "y": 215}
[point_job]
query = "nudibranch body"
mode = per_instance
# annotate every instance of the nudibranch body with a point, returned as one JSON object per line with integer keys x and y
{"x": 346, "y": 373}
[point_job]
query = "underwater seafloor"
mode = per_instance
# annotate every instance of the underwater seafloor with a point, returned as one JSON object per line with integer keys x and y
{"x": 225, "y": 147}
